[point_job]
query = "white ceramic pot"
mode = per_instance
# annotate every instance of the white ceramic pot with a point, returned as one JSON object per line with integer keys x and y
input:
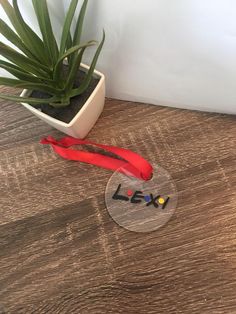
{"x": 85, "y": 119}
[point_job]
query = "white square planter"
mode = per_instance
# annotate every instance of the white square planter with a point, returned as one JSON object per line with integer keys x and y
{"x": 85, "y": 119}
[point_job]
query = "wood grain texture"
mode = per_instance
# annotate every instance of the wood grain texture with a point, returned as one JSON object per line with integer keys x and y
{"x": 60, "y": 252}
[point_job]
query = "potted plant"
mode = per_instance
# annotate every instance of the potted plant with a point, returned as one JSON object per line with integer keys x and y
{"x": 58, "y": 87}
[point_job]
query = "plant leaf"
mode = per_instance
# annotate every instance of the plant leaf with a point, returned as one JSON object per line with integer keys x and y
{"x": 69, "y": 45}
{"x": 27, "y": 35}
{"x": 87, "y": 80}
{"x": 41, "y": 10}
{"x": 10, "y": 35}
{"x": 66, "y": 36}
{"x": 28, "y": 100}
{"x": 8, "y": 81}
{"x": 67, "y": 54}
{"x": 17, "y": 72}
{"x": 23, "y": 62}
{"x": 73, "y": 71}
{"x": 78, "y": 30}
{"x": 29, "y": 85}
{"x": 25, "y": 76}
{"x": 79, "y": 24}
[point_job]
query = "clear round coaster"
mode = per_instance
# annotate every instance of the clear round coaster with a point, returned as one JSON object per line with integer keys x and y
{"x": 141, "y": 206}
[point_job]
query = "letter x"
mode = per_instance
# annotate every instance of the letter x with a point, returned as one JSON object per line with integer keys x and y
{"x": 153, "y": 201}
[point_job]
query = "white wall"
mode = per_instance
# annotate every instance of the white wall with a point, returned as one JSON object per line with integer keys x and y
{"x": 169, "y": 52}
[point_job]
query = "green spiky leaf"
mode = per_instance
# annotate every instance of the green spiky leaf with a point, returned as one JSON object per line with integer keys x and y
{"x": 68, "y": 53}
{"x": 27, "y": 35}
{"x": 66, "y": 36}
{"x": 84, "y": 85}
{"x": 41, "y": 10}
{"x": 8, "y": 33}
{"x": 74, "y": 70}
{"x": 27, "y": 100}
{"x": 79, "y": 24}
{"x": 40, "y": 64}
{"x": 18, "y": 72}
{"x": 29, "y": 85}
{"x": 22, "y": 61}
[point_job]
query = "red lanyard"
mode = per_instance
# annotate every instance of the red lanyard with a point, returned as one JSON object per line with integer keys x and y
{"x": 132, "y": 163}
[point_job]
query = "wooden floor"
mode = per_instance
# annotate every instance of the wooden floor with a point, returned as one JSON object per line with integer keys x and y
{"x": 60, "y": 252}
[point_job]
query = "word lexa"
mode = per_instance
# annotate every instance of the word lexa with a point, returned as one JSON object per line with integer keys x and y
{"x": 138, "y": 197}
